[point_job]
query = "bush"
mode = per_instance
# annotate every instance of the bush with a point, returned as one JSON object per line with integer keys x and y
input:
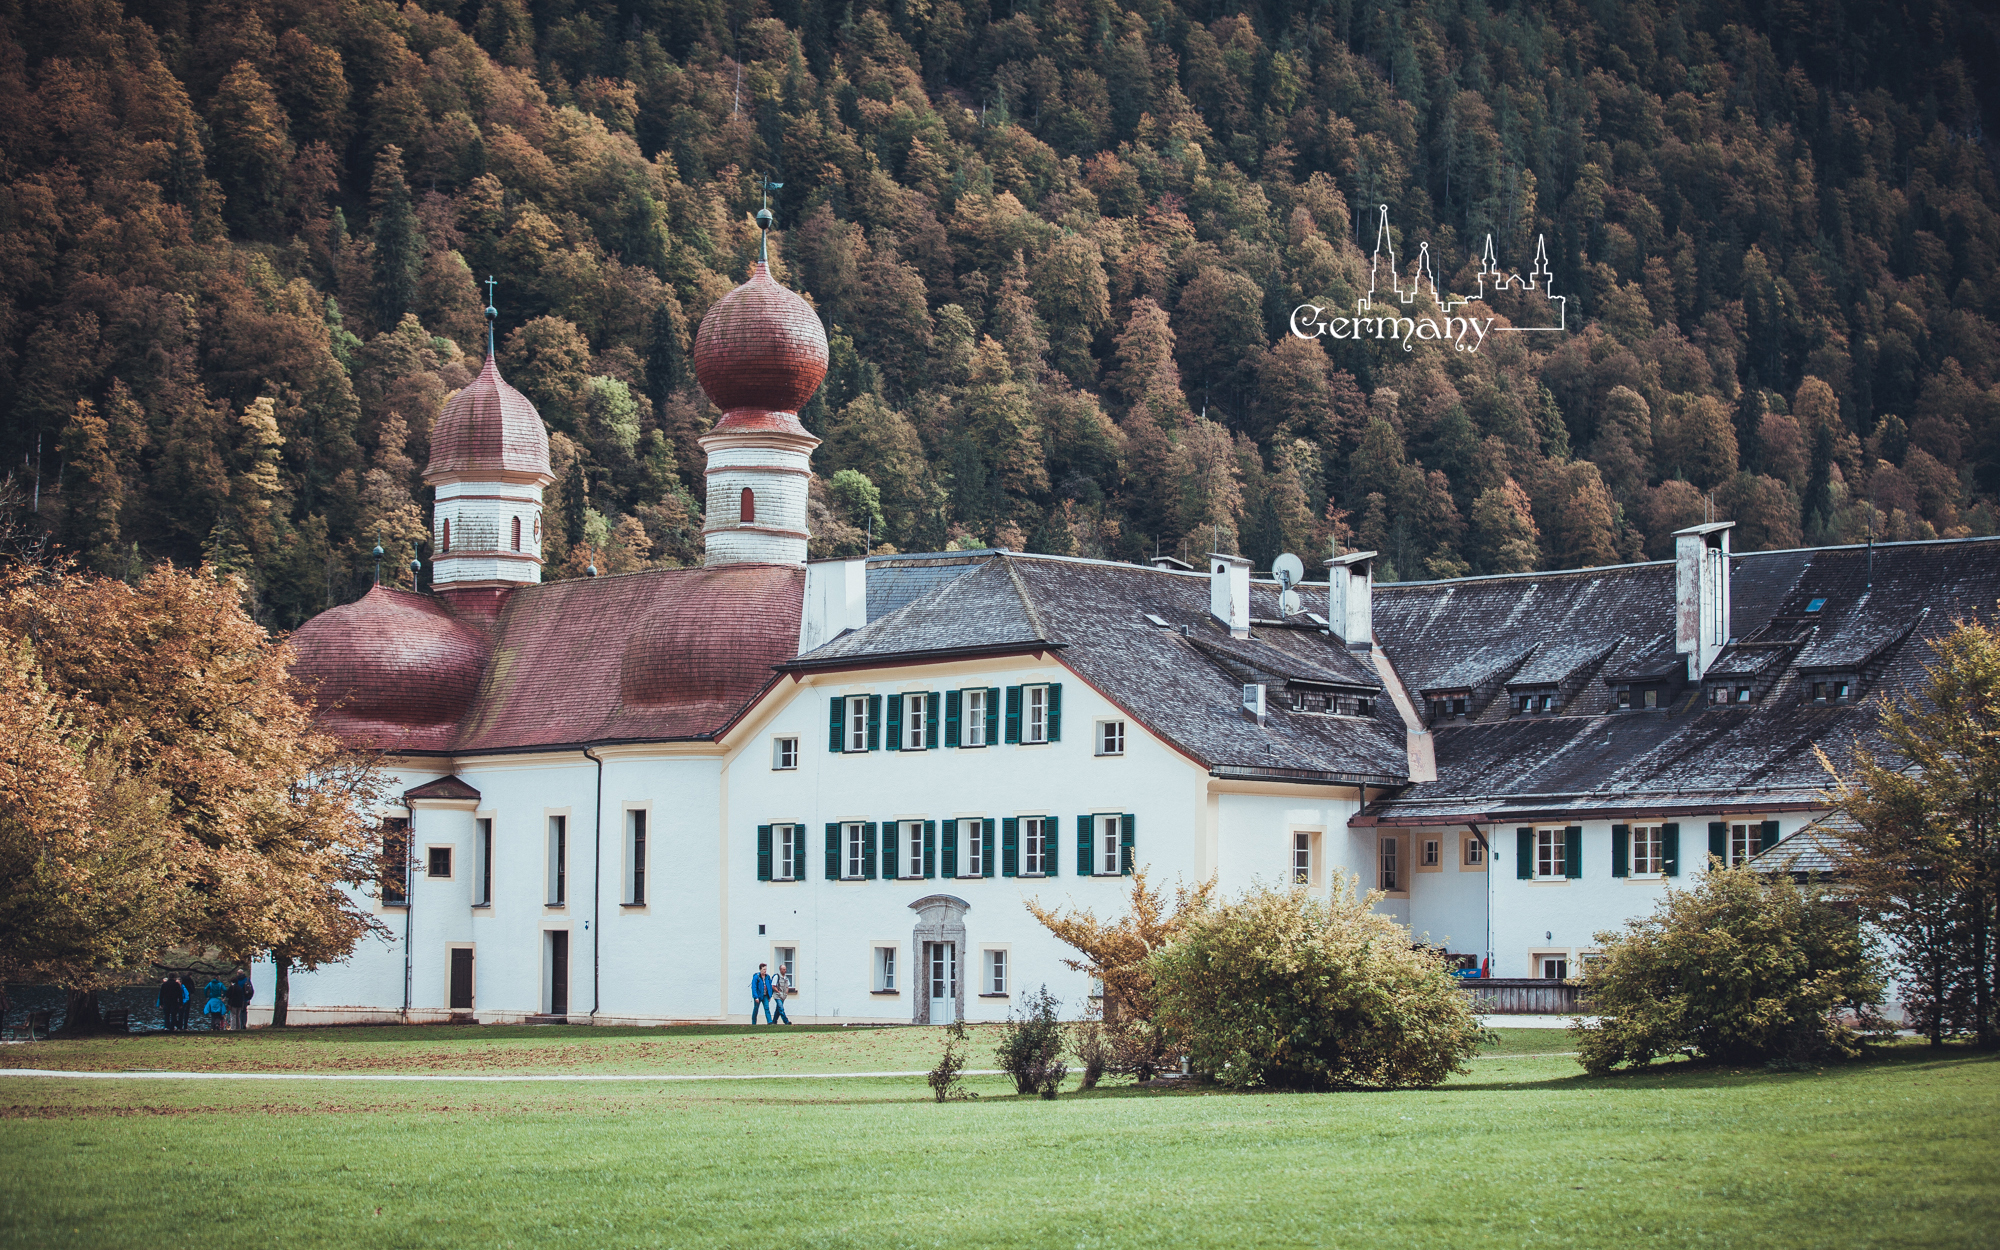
{"x": 1093, "y": 1051}
{"x": 1031, "y": 1045}
{"x": 1740, "y": 968}
{"x": 1285, "y": 990}
{"x": 946, "y": 1081}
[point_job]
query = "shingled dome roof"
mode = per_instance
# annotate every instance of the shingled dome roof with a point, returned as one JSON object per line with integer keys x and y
{"x": 760, "y": 354}
{"x": 490, "y": 428}
{"x": 394, "y": 668}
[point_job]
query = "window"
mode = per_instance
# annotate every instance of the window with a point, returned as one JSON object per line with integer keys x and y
{"x": 482, "y": 854}
{"x": 1108, "y": 843}
{"x": 857, "y": 722}
{"x": 1646, "y": 850}
{"x": 913, "y": 844}
{"x": 975, "y": 849}
{"x": 1819, "y": 692}
{"x": 1391, "y": 878}
{"x": 789, "y": 848}
{"x": 635, "y": 857}
{"x": 993, "y": 977}
{"x": 1521, "y": 703}
{"x": 1551, "y": 853}
{"x": 395, "y": 862}
{"x": 517, "y": 533}
{"x": 851, "y": 832}
{"x": 1475, "y": 851}
{"x": 885, "y": 970}
{"x": 785, "y": 959}
{"x": 1553, "y": 967}
{"x": 440, "y": 863}
{"x": 558, "y": 874}
{"x": 1035, "y": 839}
{"x": 1624, "y": 698}
{"x": 784, "y": 753}
{"x": 1364, "y": 706}
{"x": 1433, "y": 852}
{"x": 444, "y": 544}
{"x": 749, "y": 506}
{"x": 1035, "y": 724}
{"x": 1449, "y": 704}
{"x": 913, "y": 722}
{"x": 1111, "y": 737}
{"x": 1302, "y": 858}
{"x": 1840, "y": 690}
{"x": 1743, "y": 694}
{"x": 973, "y": 734}
{"x": 1652, "y": 698}
{"x": 1747, "y": 840}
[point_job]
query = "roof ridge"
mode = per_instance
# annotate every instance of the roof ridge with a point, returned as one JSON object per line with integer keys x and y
{"x": 1027, "y": 600}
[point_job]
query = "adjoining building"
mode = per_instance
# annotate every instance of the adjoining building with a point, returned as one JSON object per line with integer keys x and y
{"x": 620, "y": 795}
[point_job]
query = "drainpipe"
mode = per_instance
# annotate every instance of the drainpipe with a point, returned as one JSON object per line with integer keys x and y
{"x": 596, "y": 878}
{"x": 1488, "y": 848}
{"x": 409, "y": 903}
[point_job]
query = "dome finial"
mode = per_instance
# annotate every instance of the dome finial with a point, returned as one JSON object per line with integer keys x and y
{"x": 764, "y": 220}
{"x": 492, "y": 315}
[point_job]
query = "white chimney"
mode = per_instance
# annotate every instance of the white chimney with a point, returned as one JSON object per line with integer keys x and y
{"x": 1229, "y": 592}
{"x": 1350, "y": 598}
{"x": 1701, "y": 593}
{"x": 836, "y": 599}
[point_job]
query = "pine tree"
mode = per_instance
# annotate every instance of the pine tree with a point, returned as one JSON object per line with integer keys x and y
{"x": 399, "y": 239}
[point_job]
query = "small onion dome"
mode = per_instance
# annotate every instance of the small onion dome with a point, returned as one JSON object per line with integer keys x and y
{"x": 394, "y": 668}
{"x": 489, "y": 429}
{"x": 760, "y": 354}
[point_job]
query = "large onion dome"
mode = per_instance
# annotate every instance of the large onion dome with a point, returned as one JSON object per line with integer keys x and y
{"x": 490, "y": 431}
{"x": 394, "y": 669}
{"x": 760, "y": 354}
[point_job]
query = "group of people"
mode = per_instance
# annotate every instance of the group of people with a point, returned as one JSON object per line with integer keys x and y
{"x": 768, "y": 993}
{"x": 227, "y": 1006}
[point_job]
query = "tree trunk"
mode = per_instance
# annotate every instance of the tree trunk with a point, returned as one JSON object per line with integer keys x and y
{"x": 80, "y": 1014}
{"x": 281, "y": 996}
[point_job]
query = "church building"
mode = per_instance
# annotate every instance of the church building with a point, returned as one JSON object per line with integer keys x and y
{"x": 620, "y": 795}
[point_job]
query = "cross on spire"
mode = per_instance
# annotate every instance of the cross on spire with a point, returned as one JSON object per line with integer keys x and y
{"x": 492, "y": 314}
{"x": 764, "y": 220}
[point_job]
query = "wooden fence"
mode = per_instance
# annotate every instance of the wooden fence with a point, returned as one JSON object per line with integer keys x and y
{"x": 1521, "y": 996}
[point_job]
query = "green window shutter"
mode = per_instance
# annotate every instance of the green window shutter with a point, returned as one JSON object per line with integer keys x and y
{"x": 1718, "y": 839}
{"x": 1010, "y": 846}
{"x": 1083, "y": 864}
{"x": 1013, "y": 714}
{"x": 1771, "y": 836}
{"x": 892, "y": 846}
{"x": 1051, "y": 850}
{"x": 1524, "y": 854}
{"x": 931, "y": 702}
{"x": 1055, "y": 711}
{"x": 1573, "y": 852}
{"x": 987, "y": 865}
{"x": 1621, "y": 850}
{"x": 1127, "y": 842}
{"x": 833, "y": 852}
{"x": 895, "y": 738}
{"x": 951, "y": 848}
{"x": 930, "y": 848}
{"x": 763, "y": 852}
{"x": 1670, "y": 850}
{"x": 837, "y": 725}
{"x": 868, "y": 850}
{"x": 874, "y": 722}
{"x": 992, "y": 715}
{"x": 953, "y": 700}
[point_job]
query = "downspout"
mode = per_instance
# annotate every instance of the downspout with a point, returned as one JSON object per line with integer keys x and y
{"x": 1488, "y": 848}
{"x": 596, "y": 878}
{"x": 409, "y": 904}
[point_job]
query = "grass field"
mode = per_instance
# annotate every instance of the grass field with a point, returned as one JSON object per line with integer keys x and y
{"x": 1898, "y": 1150}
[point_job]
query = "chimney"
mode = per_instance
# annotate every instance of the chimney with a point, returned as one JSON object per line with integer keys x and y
{"x": 1229, "y": 592}
{"x": 1701, "y": 593}
{"x": 836, "y": 599}
{"x": 1350, "y": 598}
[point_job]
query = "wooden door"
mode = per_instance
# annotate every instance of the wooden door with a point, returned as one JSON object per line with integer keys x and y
{"x": 461, "y": 978}
{"x": 559, "y": 972}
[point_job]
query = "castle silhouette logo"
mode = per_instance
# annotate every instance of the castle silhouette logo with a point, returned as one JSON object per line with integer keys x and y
{"x": 1465, "y": 332}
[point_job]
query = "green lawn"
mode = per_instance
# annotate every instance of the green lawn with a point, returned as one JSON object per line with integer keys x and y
{"x": 1896, "y": 1150}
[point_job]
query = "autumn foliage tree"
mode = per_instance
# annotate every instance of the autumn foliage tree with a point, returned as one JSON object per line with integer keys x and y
{"x": 164, "y": 787}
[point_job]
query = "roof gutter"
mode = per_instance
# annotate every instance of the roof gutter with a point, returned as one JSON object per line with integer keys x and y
{"x": 1627, "y": 812}
{"x": 1303, "y": 776}
{"x": 901, "y": 658}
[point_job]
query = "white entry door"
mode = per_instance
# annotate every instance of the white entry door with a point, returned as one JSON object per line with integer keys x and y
{"x": 943, "y": 976}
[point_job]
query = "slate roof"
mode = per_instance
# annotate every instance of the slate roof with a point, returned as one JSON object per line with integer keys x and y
{"x": 1694, "y": 755}
{"x": 1184, "y": 682}
{"x": 895, "y": 580}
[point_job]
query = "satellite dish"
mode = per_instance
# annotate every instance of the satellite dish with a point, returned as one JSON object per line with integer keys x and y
{"x": 1290, "y": 570}
{"x": 1288, "y": 602}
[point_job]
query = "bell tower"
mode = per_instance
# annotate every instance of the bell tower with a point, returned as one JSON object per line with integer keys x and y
{"x": 759, "y": 355}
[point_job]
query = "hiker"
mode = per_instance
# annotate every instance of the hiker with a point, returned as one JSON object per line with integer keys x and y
{"x": 239, "y": 996}
{"x": 215, "y": 1008}
{"x": 185, "y": 1007}
{"x": 760, "y": 995}
{"x": 170, "y": 1002}
{"x": 781, "y": 985}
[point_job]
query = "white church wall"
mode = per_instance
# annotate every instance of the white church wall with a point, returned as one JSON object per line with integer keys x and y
{"x": 1448, "y": 898}
{"x": 1257, "y": 833}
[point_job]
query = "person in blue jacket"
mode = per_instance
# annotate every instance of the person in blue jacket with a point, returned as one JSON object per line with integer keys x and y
{"x": 760, "y": 995}
{"x": 216, "y": 1009}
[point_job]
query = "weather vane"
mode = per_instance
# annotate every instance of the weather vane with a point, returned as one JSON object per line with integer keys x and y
{"x": 764, "y": 220}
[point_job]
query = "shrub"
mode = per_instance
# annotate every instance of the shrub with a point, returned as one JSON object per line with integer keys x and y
{"x": 1031, "y": 1045}
{"x": 1093, "y": 1051}
{"x": 1740, "y": 968}
{"x": 1286, "y": 990}
{"x": 945, "y": 1080}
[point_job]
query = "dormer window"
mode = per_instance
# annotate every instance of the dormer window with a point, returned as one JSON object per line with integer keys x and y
{"x": 1451, "y": 703}
{"x": 1833, "y": 690}
{"x": 1532, "y": 702}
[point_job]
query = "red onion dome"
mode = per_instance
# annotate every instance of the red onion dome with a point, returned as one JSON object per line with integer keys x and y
{"x": 489, "y": 428}
{"x": 392, "y": 668}
{"x": 760, "y": 354}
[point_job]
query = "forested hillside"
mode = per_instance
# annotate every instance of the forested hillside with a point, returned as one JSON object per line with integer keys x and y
{"x": 1055, "y": 244}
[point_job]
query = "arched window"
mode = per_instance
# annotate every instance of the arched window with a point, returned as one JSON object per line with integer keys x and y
{"x": 445, "y": 545}
{"x": 749, "y": 506}
{"x": 517, "y": 533}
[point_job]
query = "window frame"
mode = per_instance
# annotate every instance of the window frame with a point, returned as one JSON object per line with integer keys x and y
{"x": 784, "y": 746}
{"x": 910, "y": 841}
{"x": 1388, "y": 862}
{"x": 883, "y": 961}
{"x": 635, "y": 841}
{"x": 482, "y": 860}
{"x": 1539, "y": 961}
{"x": 1034, "y": 848}
{"x": 1110, "y": 737}
{"x": 431, "y": 852}
{"x": 914, "y": 721}
{"x": 1472, "y": 852}
{"x": 1430, "y": 853}
{"x": 854, "y": 740}
{"x": 1034, "y": 714}
{"x": 1744, "y": 831}
{"x": 972, "y": 846}
{"x": 1106, "y": 843}
{"x": 555, "y": 824}
{"x": 1638, "y": 840}
{"x": 1305, "y": 845}
{"x": 996, "y": 981}
{"x": 393, "y": 883}
{"x": 1551, "y": 849}
{"x": 787, "y": 851}
{"x": 853, "y": 846}
{"x": 972, "y": 717}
